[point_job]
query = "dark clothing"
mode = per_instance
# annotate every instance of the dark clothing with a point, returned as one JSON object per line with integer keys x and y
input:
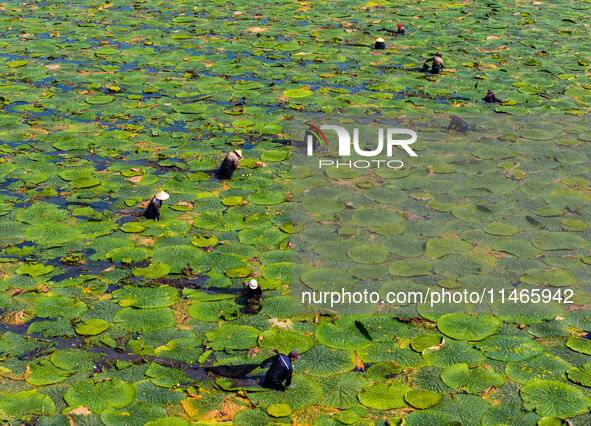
{"x": 252, "y": 298}
{"x": 153, "y": 210}
{"x": 437, "y": 64}
{"x": 458, "y": 124}
{"x": 380, "y": 45}
{"x": 280, "y": 370}
{"x": 490, "y": 98}
{"x": 399, "y": 31}
{"x": 232, "y": 371}
{"x": 229, "y": 165}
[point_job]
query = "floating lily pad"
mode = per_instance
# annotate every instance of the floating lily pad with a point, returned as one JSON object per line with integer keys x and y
{"x": 422, "y": 398}
{"x": 554, "y": 399}
{"x": 475, "y": 379}
{"x": 468, "y": 327}
{"x": 26, "y": 403}
{"x": 92, "y": 327}
{"x": 279, "y": 410}
{"x": 382, "y": 396}
{"x": 232, "y": 337}
{"x": 510, "y": 348}
{"x": 559, "y": 241}
{"x": 343, "y": 333}
{"x": 98, "y": 397}
{"x": 45, "y": 373}
{"x": 284, "y": 340}
{"x": 340, "y": 391}
{"x": 145, "y": 297}
{"x": 543, "y": 367}
{"x": 144, "y": 319}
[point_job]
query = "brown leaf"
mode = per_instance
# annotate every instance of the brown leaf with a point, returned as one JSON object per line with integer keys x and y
{"x": 412, "y": 217}
{"x": 256, "y": 30}
{"x": 81, "y": 411}
{"x": 439, "y": 346}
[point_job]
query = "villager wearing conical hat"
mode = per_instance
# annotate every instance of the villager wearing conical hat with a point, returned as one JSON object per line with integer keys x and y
{"x": 153, "y": 209}
{"x": 380, "y": 44}
{"x": 252, "y": 294}
{"x": 230, "y": 164}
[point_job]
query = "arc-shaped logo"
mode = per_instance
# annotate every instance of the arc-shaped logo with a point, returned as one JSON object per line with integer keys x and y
{"x": 317, "y": 133}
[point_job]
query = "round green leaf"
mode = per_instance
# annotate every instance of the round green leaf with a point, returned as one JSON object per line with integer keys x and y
{"x": 468, "y": 327}
{"x": 382, "y": 396}
{"x": 554, "y": 399}
{"x": 98, "y": 397}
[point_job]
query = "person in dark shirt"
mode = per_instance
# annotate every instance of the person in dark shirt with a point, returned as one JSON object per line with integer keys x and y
{"x": 252, "y": 294}
{"x": 400, "y": 31}
{"x": 230, "y": 164}
{"x": 280, "y": 370}
{"x": 380, "y": 44}
{"x": 457, "y": 123}
{"x": 437, "y": 64}
{"x": 490, "y": 98}
{"x": 153, "y": 209}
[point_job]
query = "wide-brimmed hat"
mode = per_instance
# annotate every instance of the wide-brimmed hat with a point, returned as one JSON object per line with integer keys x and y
{"x": 238, "y": 152}
{"x": 438, "y": 54}
{"x": 162, "y": 196}
{"x": 489, "y": 91}
{"x": 253, "y": 284}
{"x": 294, "y": 354}
{"x": 380, "y": 40}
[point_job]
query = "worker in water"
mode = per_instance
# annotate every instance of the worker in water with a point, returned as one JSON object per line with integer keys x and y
{"x": 252, "y": 294}
{"x": 280, "y": 370}
{"x": 437, "y": 64}
{"x": 400, "y": 31}
{"x": 153, "y": 209}
{"x": 380, "y": 44}
{"x": 457, "y": 123}
{"x": 490, "y": 98}
{"x": 230, "y": 164}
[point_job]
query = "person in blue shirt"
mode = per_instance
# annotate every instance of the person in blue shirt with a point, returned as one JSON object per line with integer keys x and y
{"x": 280, "y": 370}
{"x": 153, "y": 209}
{"x": 380, "y": 44}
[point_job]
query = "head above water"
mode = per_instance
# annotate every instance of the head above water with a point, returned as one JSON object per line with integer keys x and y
{"x": 294, "y": 355}
{"x": 253, "y": 284}
{"x": 162, "y": 196}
